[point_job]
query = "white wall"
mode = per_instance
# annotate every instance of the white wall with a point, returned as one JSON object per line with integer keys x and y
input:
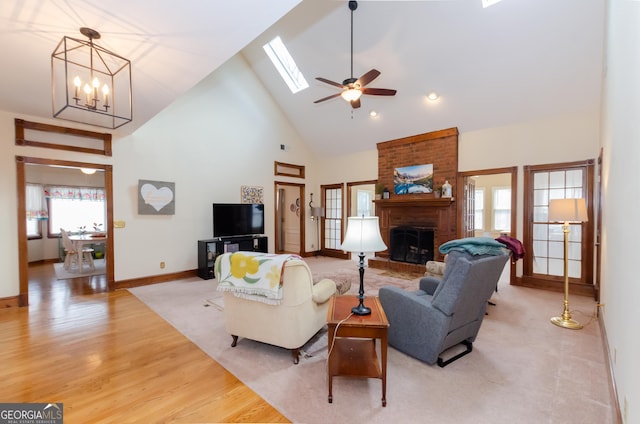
{"x": 224, "y": 133}
{"x": 621, "y": 201}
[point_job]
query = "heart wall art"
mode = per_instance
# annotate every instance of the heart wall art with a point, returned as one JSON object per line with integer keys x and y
{"x": 156, "y": 198}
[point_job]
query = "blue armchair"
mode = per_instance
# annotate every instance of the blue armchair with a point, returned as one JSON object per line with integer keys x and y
{"x": 443, "y": 313}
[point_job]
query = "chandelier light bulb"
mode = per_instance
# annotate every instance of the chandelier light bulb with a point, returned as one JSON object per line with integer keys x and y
{"x": 96, "y": 82}
{"x": 77, "y": 83}
{"x": 105, "y": 93}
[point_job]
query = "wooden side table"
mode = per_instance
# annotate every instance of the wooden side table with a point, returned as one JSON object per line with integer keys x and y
{"x": 353, "y": 353}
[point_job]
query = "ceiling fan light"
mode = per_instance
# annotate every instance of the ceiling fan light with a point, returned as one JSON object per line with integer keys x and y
{"x": 351, "y": 94}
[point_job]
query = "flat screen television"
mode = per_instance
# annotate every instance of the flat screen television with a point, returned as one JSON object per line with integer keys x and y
{"x": 237, "y": 219}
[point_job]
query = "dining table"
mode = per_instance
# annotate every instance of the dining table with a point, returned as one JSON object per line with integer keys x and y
{"x": 81, "y": 240}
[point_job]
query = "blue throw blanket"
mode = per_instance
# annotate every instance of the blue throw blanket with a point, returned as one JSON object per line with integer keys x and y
{"x": 474, "y": 246}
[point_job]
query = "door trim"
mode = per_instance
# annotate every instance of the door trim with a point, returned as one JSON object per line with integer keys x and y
{"x": 23, "y": 256}
{"x": 302, "y": 220}
{"x": 513, "y": 170}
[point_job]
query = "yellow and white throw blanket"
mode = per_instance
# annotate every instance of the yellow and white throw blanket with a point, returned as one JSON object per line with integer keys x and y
{"x": 254, "y": 276}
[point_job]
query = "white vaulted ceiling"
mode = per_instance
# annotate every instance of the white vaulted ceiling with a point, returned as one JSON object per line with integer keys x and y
{"x": 517, "y": 60}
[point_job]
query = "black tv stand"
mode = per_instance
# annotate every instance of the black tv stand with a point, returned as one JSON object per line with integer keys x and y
{"x": 208, "y": 250}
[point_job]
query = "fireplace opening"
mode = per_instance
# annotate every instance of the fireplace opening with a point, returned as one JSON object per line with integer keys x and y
{"x": 411, "y": 244}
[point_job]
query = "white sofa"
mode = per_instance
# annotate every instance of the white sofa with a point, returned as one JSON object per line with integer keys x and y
{"x": 300, "y": 315}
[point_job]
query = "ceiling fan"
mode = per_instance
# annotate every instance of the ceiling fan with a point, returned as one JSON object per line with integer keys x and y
{"x": 353, "y": 88}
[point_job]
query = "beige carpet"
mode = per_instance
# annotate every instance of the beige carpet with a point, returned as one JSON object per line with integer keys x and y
{"x": 523, "y": 369}
{"x": 63, "y": 274}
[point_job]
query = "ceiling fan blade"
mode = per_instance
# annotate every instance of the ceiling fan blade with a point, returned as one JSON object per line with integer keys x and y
{"x": 355, "y": 104}
{"x": 379, "y": 91}
{"x": 368, "y": 77}
{"x": 328, "y": 97}
{"x": 330, "y": 82}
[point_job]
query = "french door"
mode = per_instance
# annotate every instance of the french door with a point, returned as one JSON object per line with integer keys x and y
{"x": 544, "y": 240}
{"x": 332, "y": 222}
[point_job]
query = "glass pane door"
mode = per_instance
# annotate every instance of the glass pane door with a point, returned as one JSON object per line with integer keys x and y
{"x": 333, "y": 218}
{"x": 548, "y": 238}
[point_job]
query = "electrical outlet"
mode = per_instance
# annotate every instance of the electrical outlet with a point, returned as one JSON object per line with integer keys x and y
{"x": 162, "y": 265}
{"x": 625, "y": 410}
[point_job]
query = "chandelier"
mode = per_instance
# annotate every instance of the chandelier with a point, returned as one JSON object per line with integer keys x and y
{"x": 90, "y": 84}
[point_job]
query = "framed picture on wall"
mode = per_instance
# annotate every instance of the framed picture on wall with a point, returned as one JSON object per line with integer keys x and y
{"x": 413, "y": 179}
{"x": 251, "y": 194}
{"x": 156, "y": 198}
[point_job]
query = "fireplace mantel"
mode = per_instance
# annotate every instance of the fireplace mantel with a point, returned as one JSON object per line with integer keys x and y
{"x": 404, "y": 202}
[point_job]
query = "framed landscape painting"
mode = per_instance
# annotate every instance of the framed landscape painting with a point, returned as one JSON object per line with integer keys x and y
{"x": 413, "y": 179}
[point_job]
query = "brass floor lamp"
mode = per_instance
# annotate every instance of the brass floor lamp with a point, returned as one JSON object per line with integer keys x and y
{"x": 566, "y": 211}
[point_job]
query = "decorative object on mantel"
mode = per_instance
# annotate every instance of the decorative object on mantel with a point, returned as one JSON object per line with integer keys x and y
{"x": 437, "y": 192}
{"x": 567, "y": 211}
{"x": 363, "y": 235}
{"x": 90, "y": 84}
{"x": 446, "y": 189}
{"x": 385, "y": 193}
{"x": 252, "y": 194}
{"x": 156, "y": 198}
{"x": 413, "y": 179}
{"x": 379, "y": 189}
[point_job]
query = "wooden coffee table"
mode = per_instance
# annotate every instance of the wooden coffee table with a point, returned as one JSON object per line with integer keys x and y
{"x": 353, "y": 353}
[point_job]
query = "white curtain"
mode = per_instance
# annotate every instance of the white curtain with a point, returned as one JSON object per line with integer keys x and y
{"x": 36, "y": 205}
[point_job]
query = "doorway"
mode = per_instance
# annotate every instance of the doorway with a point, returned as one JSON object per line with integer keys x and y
{"x": 289, "y": 217}
{"x": 23, "y": 253}
{"x": 360, "y": 195}
{"x": 488, "y": 204}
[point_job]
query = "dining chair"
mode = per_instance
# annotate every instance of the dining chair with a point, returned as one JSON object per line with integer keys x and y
{"x": 75, "y": 258}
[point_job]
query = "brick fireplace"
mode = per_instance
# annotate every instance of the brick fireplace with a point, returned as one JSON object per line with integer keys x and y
{"x": 422, "y": 211}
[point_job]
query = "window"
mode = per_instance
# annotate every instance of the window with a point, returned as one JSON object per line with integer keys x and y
{"x": 75, "y": 209}
{"x": 501, "y": 208}
{"x": 479, "y": 209}
{"x": 36, "y": 212}
{"x": 365, "y": 200}
{"x": 285, "y": 65}
{"x": 489, "y": 3}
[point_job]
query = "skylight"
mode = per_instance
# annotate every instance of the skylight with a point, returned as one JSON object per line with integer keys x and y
{"x": 285, "y": 64}
{"x": 487, "y": 3}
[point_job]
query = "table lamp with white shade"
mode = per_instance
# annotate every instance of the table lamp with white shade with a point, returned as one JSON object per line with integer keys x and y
{"x": 363, "y": 235}
{"x": 566, "y": 211}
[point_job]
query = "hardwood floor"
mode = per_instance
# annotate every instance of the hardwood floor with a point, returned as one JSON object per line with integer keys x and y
{"x": 109, "y": 358}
